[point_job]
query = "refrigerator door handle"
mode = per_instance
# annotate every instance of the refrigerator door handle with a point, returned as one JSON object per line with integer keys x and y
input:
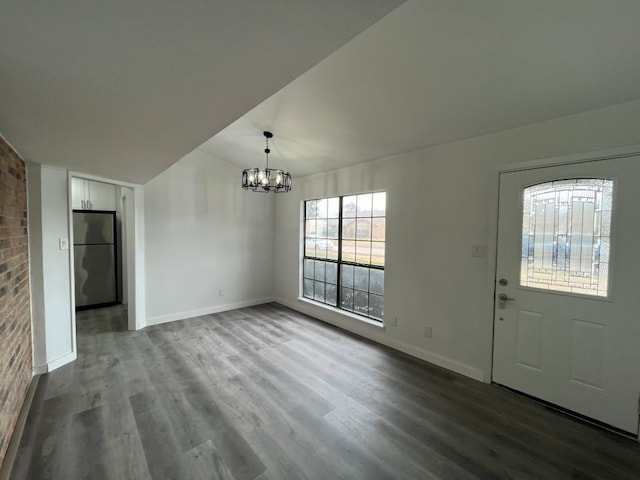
{"x": 82, "y": 204}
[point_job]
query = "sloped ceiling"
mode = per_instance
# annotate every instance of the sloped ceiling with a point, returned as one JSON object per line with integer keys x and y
{"x": 435, "y": 71}
{"x": 125, "y": 88}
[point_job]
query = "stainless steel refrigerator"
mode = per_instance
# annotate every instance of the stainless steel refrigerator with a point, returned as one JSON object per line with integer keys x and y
{"x": 94, "y": 250}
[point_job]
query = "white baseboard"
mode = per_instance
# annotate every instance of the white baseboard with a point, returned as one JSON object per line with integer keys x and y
{"x": 61, "y": 360}
{"x": 18, "y": 430}
{"x": 40, "y": 369}
{"x": 436, "y": 359}
{"x": 376, "y": 335}
{"x": 172, "y": 317}
{"x": 54, "y": 363}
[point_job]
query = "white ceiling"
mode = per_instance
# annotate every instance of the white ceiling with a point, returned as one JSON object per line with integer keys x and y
{"x": 436, "y": 71}
{"x": 125, "y": 88}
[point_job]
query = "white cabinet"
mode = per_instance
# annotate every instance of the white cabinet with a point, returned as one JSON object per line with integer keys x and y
{"x": 102, "y": 196}
{"x": 77, "y": 193}
{"x": 92, "y": 195}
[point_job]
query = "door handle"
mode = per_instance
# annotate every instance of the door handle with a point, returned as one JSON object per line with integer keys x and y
{"x": 82, "y": 204}
{"x": 503, "y": 299}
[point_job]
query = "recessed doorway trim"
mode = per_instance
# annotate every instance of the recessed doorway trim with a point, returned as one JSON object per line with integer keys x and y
{"x": 132, "y": 198}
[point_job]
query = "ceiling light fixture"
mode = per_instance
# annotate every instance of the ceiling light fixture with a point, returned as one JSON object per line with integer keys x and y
{"x": 266, "y": 179}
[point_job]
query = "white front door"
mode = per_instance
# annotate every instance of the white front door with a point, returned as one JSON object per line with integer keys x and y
{"x": 567, "y": 329}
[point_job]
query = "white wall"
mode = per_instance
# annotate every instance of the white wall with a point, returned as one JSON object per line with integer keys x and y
{"x": 53, "y": 330}
{"x": 136, "y": 261}
{"x": 36, "y": 278}
{"x": 440, "y": 202}
{"x": 203, "y": 233}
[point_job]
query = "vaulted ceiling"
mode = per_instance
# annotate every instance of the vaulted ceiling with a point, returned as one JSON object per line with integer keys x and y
{"x": 124, "y": 89}
{"x": 437, "y": 71}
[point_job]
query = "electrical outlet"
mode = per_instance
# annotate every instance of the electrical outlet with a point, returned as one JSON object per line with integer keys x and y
{"x": 394, "y": 321}
{"x": 427, "y": 332}
{"x": 479, "y": 251}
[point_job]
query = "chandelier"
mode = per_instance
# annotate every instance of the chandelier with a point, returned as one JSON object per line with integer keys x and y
{"x": 266, "y": 179}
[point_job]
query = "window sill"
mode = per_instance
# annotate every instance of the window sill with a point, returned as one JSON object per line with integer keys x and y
{"x": 343, "y": 313}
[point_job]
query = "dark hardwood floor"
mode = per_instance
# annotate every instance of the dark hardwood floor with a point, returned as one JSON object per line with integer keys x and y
{"x": 268, "y": 393}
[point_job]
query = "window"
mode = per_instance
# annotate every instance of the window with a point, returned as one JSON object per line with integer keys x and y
{"x": 344, "y": 250}
{"x": 566, "y": 235}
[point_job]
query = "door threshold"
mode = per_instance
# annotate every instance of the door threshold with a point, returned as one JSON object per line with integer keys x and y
{"x": 97, "y": 305}
{"x": 571, "y": 413}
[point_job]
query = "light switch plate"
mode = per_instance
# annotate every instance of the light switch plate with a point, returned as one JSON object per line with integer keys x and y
{"x": 64, "y": 243}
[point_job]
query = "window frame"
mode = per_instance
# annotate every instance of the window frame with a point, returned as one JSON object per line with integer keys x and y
{"x": 339, "y": 262}
{"x": 569, "y": 289}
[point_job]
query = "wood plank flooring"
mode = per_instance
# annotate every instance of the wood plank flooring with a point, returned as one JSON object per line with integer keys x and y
{"x": 268, "y": 393}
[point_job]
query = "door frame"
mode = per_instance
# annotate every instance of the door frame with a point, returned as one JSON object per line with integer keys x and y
{"x": 133, "y": 195}
{"x": 492, "y": 253}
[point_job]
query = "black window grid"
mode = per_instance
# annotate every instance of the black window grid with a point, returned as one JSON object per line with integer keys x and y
{"x": 340, "y": 264}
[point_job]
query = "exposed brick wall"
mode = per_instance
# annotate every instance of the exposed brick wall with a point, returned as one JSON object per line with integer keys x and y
{"x": 15, "y": 317}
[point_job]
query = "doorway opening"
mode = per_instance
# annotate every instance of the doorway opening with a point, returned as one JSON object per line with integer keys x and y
{"x": 104, "y": 263}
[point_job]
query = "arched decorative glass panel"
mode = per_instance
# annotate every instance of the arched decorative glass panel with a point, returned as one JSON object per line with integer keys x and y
{"x": 566, "y": 228}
